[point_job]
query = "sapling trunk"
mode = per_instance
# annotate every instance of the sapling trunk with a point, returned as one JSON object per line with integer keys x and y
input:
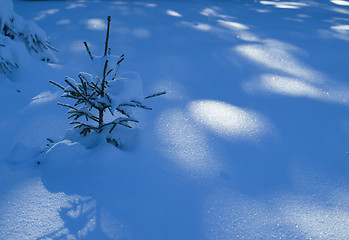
{"x": 102, "y": 108}
{"x": 107, "y": 37}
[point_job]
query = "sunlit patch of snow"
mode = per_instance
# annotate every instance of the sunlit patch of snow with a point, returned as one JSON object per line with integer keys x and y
{"x": 185, "y": 143}
{"x": 340, "y": 28}
{"x": 228, "y": 120}
{"x": 96, "y": 24}
{"x": 339, "y": 34}
{"x": 151, "y": 5}
{"x": 239, "y": 30}
{"x": 339, "y": 10}
{"x": 32, "y": 210}
{"x": 75, "y": 5}
{"x": 202, "y": 26}
{"x": 209, "y": 12}
{"x": 173, "y": 13}
{"x": 275, "y": 55}
{"x": 262, "y": 10}
{"x": 319, "y": 222}
{"x": 248, "y": 37}
{"x": 214, "y": 12}
{"x": 233, "y": 25}
{"x": 294, "y": 87}
{"x": 198, "y": 26}
{"x": 141, "y": 33}
{"x": 43, "y": 14}
{"x": 316, "y": 219}
{"x": 288, "y": 5}
{"x": 340, "y": 2}
{"x": 44, "y": 97}
{"x": 289, "y": 86}
{"x": 63, "y": 22}
{"x": 146, "y": 4}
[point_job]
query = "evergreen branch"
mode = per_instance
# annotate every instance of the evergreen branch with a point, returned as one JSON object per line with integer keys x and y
{"x": 144, "y": 107}
{"x": 57, "y": 85}
{"x": 78, "y": 113}
{"x": 127, "y": 105}
{"x": 122, "y": 59}
{"x": 125, "y": 125}
{"x": 88, "y": 50}
{"x": 79, "y": 93}
{"x": 68, "y": 106}
{"x": 122, "y": 112}
{"x": 98, "y": 90}
{"x": 85, "y": 131}
{"x": 112, "y": 128}
{"x": 50, "y": 47}
{"x": 155, "y": 95}
{"x": 82, "y": 79}
{"x": 120, "y": 120}
{"x": 76, "y": 90}
{"x": 109, "y": 71}
{"x": 138, "y": 104}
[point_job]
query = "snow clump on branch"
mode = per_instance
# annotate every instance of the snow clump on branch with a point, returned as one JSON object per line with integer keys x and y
{"x": 14, "y": 30}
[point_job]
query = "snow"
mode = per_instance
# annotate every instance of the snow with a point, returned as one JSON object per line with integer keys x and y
{"x": 250, "y": 141}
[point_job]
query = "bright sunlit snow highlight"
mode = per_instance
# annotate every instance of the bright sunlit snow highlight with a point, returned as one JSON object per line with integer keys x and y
{"x": 96, "y": 24}
{"x": 228, "y": 120}
{"x": 340, "y": 28}
{"x": 233, "y": 25}
{"x": 173, "y": 13}
{"x": 275, "y": 55}
{"x": 289, "y": 86}
{"x": 288, "y": 5}
{"x": 340, "y": 2}
{"x": 44, "y": 97}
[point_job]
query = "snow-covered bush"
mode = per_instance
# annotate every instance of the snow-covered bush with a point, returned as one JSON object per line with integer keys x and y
{"x": 15, "y": 30}
{"x": 106, "y": 100}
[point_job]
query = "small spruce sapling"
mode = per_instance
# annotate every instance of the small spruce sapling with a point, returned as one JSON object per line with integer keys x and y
{"x": 94, "y": 97}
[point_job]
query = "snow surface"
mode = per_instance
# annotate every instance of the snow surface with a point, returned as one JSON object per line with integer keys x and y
{"x": 251, "y": 140}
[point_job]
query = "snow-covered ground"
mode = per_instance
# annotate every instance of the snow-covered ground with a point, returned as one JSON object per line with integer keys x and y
{"x": 251, "y": 140}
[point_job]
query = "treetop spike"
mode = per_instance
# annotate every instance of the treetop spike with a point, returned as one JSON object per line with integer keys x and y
{"x": 107, "y": 37}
